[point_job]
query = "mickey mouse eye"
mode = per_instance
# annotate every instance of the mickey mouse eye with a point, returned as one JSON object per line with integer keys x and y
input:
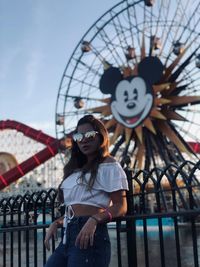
{"x": 126, "y": 96}
{"x": 135, "y": 94}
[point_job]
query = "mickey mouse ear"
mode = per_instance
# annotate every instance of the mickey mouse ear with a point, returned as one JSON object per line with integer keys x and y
{"x": 151, "y": 69}
{"x": 109, "y": 80}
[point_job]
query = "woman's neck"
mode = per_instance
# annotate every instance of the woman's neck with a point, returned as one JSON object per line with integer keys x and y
{"x": 90, "y": 161}
{"x": 91, "y": 158}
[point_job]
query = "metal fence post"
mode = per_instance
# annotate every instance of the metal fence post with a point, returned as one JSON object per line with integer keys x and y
{"x": 130, "y": 224}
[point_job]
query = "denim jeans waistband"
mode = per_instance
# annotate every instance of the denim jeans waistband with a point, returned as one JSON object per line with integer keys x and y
{"x": 79, "y": 219}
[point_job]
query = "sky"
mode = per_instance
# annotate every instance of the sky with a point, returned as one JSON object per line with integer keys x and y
{"x": 37, "y": 38}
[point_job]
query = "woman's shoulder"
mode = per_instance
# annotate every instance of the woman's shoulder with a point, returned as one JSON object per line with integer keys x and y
{"x": 109, "y": 163}
{"x": 111, "y": 176}
{"x": 109, "y": 159}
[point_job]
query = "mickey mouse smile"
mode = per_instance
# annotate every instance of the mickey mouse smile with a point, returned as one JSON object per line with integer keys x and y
{"x": 131, "y": 120}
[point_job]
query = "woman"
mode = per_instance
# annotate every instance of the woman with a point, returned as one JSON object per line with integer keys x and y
{"x": 93, "y": 191}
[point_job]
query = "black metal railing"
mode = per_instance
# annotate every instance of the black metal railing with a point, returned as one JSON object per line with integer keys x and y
{"x": 171, "y": 193}
{"x": 161, "y": 227}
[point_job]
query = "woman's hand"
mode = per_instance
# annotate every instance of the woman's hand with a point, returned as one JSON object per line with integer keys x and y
{"x": 51, "y": 233}
{"x": 86, "y": 235}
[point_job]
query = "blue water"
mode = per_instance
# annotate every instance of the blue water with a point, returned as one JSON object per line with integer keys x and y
{"x": 154, "y": 222}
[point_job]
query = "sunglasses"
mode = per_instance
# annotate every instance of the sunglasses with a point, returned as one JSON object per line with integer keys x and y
{"x": 78, "y": 137}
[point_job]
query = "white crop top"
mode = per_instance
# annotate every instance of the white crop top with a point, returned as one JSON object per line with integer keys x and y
{"x": 110, "y": 177}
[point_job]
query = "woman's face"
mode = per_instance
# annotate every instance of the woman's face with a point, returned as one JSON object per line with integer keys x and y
{"x": 90, "y": 143}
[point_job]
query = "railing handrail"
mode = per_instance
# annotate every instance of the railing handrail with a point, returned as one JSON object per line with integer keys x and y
{"x": 187, "y": 213}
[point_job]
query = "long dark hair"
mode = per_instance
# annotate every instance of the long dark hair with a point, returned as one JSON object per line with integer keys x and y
{"x": 78, "y": 159}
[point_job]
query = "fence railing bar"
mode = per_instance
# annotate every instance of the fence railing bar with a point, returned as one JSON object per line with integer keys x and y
{"x": 194, "y": 241}
{"x": 177, "y": 242}
{"x": 119, "y": 256}
{"x": 146, "y": 243}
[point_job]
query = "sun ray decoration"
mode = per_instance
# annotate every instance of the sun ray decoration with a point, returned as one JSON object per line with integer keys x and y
{"x": 112, "y": 54}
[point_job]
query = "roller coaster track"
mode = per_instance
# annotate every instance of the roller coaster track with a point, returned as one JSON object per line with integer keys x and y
{"x": 53, "y": 146}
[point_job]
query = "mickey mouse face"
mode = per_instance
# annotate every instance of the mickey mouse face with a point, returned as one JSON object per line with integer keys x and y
{"x": 132, "y": 103}
{"x": 132, "y": 98}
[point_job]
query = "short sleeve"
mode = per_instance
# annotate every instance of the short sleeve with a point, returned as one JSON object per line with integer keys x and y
{"x": 111, "y": 177}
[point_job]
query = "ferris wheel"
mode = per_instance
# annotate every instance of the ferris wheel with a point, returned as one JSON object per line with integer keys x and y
{"x": 137, "y": 68}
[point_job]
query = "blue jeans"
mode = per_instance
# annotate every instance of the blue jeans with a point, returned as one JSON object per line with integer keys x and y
{"x": 69, "y": 255}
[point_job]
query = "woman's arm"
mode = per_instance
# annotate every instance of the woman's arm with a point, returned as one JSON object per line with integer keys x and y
{"x": 118, "y": 208}
{"x": 52, "y": 231}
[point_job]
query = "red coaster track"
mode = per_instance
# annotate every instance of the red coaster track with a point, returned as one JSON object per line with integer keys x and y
{"x": 195, "y": 147}
{"x": 52, "y": 147}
